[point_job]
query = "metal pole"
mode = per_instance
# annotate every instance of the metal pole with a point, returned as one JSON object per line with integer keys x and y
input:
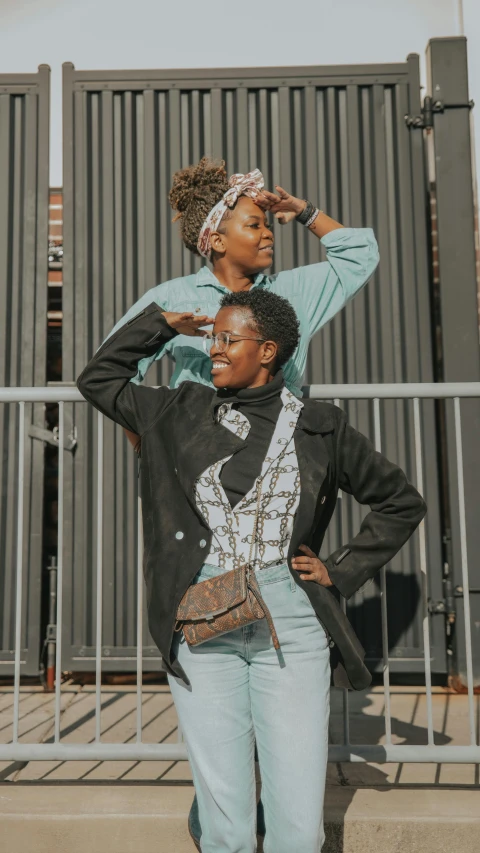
{"x": 447, "y": 84}
{"x": 423, "y": 569}
{"x": 52, "y": 623}
{"x": 383, "y": 598}
{"x": 465, "y": 578}
{"x": 350, "y": 391}
{"x": 139, "y": 617}
{"x": 98, "y": 637}
{"x": 58, "y": 656}
{"x": 378, "y": 753}
{"x": 19, "y": 573}
{"x": 345, "y": 696}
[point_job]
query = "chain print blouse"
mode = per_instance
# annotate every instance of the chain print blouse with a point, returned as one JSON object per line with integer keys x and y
{"x": 279, "y": 481}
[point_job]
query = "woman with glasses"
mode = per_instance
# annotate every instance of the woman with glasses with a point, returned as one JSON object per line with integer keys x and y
{"x": 224, "y": 221}
{"x": 240, "y": 479}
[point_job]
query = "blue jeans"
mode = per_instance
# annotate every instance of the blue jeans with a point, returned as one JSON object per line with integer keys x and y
{"x": 241, "y": 691}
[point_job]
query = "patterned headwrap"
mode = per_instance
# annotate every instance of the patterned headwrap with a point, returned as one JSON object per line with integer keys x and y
{"x": 250, "y": 184}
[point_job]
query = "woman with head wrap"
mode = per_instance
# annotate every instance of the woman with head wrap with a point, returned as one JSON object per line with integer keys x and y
{"x": 225, "y": 221}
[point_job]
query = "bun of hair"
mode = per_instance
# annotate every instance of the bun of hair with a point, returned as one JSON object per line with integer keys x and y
{"x": 195, "y": 190}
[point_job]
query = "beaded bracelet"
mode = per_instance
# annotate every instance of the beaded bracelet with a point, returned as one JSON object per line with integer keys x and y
{"x": 308, "y": 215}
{"x": 312, "y": 218}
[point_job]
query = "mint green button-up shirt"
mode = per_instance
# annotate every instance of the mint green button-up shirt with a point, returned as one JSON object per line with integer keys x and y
{"x": 316, "y": 291}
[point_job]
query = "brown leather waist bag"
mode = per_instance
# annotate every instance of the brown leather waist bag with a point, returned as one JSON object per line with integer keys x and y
{"x": 222, "y": 604}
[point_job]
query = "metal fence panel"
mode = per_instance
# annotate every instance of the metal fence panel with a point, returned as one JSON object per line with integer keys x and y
{"x": 335, "y": 134}
{"x": 24, "y": 163}
{"x": 433, "y": 745}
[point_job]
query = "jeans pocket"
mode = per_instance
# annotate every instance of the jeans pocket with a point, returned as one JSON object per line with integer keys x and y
{"x": 306, "y": 605}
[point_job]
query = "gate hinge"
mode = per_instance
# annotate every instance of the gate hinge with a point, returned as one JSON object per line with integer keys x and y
{"x": 439, "y": 606}
{"x": 425, "y": 120}
{"x": 52, "y": 436}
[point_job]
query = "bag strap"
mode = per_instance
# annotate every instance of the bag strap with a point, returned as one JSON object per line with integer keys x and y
{"x": 254, "y": 586}
{"x": 255, "y": 590}
{"x": 255, "y": 526}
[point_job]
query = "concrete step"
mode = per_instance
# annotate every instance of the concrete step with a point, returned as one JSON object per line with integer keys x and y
{"x": 152, "y": 818}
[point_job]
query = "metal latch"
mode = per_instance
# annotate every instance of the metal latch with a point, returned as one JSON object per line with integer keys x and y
{"x": 425, "y": 120}
{"x": 437, "y": 606}
{"x": 51, "y": 636}
{"x": 52, "y": 436}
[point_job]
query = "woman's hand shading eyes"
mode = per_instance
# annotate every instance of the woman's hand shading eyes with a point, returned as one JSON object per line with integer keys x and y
{"x": 284, "y": 206}
{"x": 188, "y": 323}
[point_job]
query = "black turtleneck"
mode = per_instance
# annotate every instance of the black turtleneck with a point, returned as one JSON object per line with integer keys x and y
{"x": 261, "y": 406}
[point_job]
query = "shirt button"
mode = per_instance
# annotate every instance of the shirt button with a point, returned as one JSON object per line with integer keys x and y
{"x": 323, "y": 500}
{"x": 331, "y": 644}
{"x": 179, "y": 535}
{"x": 203, "y": 543}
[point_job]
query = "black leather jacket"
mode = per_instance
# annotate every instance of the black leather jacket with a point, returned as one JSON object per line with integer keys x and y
{"x": 181, "y": 438}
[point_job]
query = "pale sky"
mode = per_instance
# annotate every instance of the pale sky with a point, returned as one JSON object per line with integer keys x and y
{"x": 196, "y": 33}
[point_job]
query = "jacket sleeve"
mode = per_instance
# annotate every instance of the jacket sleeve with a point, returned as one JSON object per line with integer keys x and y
{"x": 105, "y": 382}
{"x": 396, "y": 511}
{"x": 160, "y": 296}
{"x": 326, "y": 287}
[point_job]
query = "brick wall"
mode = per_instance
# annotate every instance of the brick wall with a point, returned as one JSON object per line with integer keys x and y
{"x": 55, "y": 255}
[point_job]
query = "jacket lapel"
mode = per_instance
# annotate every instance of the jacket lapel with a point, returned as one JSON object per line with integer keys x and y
{"x": 206, "y": 443}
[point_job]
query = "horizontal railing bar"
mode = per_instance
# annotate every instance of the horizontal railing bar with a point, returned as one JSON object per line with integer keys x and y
{"x": 384, "y": 390}
{"x": 178, "y": 752}
{"x": 394, "y": 391}
{"x": 42, "y": 395}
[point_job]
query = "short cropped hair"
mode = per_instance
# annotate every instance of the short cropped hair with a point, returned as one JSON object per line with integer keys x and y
{"x": 271, "y": 316}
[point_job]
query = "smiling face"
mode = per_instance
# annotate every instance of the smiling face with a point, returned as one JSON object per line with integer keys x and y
{"x": 246, "y": 363}
{"x": 245, "y": 238}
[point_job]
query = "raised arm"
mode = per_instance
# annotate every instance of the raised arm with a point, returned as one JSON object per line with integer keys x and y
{"x": 160, "y": 296}
{"x": 352, "y": 257}
{"x": 106, "y": 381}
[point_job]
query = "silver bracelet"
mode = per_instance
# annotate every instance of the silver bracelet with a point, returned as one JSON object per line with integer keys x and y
{"x": 312, "y": 218}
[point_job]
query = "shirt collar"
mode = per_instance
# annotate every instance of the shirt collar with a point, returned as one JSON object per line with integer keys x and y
{"x": 206, "y": 277}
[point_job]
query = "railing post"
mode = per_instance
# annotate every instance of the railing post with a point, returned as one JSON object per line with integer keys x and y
{"x": 460, "y": 353}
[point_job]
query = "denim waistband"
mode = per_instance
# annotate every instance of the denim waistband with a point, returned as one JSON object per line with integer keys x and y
{"x": 267, "y": 575}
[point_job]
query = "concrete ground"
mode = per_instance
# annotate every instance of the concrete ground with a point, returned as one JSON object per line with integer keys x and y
{"x": 141, "y": 807}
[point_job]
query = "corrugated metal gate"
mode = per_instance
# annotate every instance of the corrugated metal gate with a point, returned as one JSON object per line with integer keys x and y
{"x": 24, "y": 156}
{"x": 335, "y": 134}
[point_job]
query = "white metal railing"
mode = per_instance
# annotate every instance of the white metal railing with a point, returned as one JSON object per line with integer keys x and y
{"x": 139, "y": 751}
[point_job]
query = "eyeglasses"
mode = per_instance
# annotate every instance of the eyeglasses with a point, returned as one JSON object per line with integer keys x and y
{"x": 223, "y": 340}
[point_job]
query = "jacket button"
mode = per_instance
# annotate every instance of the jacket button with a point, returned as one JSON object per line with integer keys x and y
{"x": 179, "y": 535}
{"x": 203, "y": 543}
{"x": 323, "y": 500}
